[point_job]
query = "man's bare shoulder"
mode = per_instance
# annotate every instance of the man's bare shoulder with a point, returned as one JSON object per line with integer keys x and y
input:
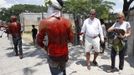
{"x": 45, "y": 22}
{"x": 13, "y": 24}
{"x": 48, "y": 20}
{"x": 67, "y": 21}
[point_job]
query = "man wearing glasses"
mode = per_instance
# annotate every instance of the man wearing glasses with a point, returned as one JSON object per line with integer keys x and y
{"x": 92, "y": 30}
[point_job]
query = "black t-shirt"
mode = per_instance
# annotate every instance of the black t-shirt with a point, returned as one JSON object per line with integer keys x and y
{"x": 34, "y": 32}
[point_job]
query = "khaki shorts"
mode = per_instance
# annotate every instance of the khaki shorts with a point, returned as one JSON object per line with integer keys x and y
{"x": 92, "y": 42}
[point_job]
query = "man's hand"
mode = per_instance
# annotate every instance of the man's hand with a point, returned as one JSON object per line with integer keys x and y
{"x": 101, "y": 41}
{"x": 81, "y": 38}
{"x": 45, "y": 48}
{"x": 81, "y": 42}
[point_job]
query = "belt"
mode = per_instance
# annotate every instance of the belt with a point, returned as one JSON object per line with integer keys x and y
{"x": 93, "y": 37}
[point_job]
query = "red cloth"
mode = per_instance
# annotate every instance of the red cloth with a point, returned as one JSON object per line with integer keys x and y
{"x": 59, "y": 34}
{"x": 15, "y": 29}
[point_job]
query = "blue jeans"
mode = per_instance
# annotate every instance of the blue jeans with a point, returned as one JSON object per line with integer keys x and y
{"x": 17, "y": 41}
{"x": 57, "y": 67}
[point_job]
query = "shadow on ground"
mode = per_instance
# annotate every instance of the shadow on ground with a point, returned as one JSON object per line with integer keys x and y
{"x": 107, "y": 68}
{"x": 29, "y": 51}
{"x": 130, "y": 60}
{"x": 9, "y": 48}
{"x": 34, "y": 51}
{"x": 81, "y": 62}
{"x": 107, "y": 53}
{"x": 28, "y": 71}
{"x": 75, "y": 53}
{"x": 11, "y": 54}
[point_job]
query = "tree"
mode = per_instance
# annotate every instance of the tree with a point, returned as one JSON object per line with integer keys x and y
{"x": 80, "y": 10}
{"x": 126, "y": 6}
{"x": 3, "y": 11}
{"x": 82, "y": 7}
{"x": 17, "y": 9}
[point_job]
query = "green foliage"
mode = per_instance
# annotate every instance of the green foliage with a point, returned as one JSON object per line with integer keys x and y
{"x": 17, "y": 9}
{"x": 75, "y": 7}
{"x": 82, "y": 7}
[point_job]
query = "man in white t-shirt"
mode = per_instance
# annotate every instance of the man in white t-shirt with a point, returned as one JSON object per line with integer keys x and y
{"x": 92, "y": 30}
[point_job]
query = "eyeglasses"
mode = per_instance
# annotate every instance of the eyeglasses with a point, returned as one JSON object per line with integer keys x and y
{"x": 119, "y": 17}
{"x": 92, "y": 14}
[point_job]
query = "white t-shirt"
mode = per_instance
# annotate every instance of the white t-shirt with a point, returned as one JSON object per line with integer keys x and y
{"x": 92, "y": 28}
{"x": 125, "y": 25}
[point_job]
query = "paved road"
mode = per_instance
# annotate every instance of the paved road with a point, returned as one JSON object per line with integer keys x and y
{"x": 35, "y": 62}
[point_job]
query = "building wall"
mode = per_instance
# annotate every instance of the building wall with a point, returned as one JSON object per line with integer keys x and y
{"x": 130, "y": 49}
{"x": 29, "y": 19}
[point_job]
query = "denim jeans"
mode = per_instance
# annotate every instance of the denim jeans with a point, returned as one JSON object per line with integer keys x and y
{"x": 17, "y": 41}
{"x": 57, "y": 67}
{"x": 125, "y": 47}
{"x": 121, "y": 58}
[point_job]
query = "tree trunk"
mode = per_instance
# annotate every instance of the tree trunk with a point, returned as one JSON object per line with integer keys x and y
{"x": 77, "y": 29}
{"x": 126, "y": 6}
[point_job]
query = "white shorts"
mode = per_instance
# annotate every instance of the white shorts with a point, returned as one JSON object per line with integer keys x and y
{"x": 92, "y": 42}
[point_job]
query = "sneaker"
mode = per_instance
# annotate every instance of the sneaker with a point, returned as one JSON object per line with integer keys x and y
{"x": 95, "y": 63}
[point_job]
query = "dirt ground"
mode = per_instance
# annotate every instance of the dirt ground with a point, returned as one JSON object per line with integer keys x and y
{"x": 27, "y": 36}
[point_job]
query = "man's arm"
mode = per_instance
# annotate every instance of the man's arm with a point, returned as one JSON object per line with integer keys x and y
{"x": 20, "y": 28}
{"x": 9, "y": 29}
{"x": 41, "y": 35}
{"x": 101, "y": 32}
{"x": 70, "y": 32}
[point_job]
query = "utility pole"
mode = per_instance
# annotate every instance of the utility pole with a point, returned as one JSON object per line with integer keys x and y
{"x": 42, "y": 12}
